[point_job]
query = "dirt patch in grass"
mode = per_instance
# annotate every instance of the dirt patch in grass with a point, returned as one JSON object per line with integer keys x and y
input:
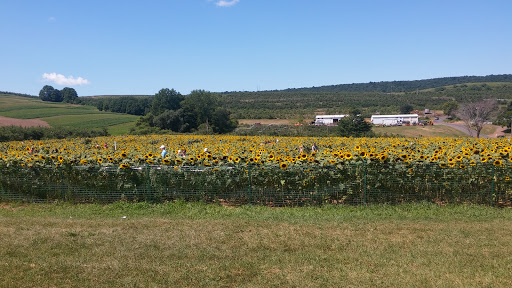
{"x": 5, "y": 121}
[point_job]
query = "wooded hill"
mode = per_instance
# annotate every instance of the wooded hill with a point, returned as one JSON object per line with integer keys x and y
{"x": 406, "y": 86}
{"x": 307, "y": 103}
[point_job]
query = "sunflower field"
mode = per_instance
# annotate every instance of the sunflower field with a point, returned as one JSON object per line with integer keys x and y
{"x": 260, "y": 170}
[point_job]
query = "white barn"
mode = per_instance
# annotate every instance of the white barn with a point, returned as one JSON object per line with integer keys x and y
{"x": 328, "y": 119}
{"x": 394, "y": 119}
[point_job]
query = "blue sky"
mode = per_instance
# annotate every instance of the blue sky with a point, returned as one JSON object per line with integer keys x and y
{"x": 138, "y": 47}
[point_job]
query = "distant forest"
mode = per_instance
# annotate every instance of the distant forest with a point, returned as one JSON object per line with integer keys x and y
{"x": 373, "y": 97}
{"x": 406, "y": 86}
{"x": 17, "y": 94}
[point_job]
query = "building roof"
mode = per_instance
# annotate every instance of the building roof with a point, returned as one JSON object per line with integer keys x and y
{"x": 327, "y": 116}
{"x": 394, "y": 116}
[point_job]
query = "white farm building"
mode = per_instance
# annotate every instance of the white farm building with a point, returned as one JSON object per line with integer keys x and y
{"x": 390, "y": 120}
{"x": 328, "y": 119}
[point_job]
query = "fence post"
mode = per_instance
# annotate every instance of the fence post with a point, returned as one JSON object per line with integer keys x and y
{"x": 63, "y": 194}
{"x": 148, "y": 183}
{"x": 492, "y": 186}
{"x": 364, "y": 183}
{"x": 250, "y": 184}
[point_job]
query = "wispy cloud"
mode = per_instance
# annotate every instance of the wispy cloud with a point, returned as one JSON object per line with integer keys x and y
{"x": 52, "y": 19}
{"x": 63, "y": 80}
{"x": 223, "y": 3}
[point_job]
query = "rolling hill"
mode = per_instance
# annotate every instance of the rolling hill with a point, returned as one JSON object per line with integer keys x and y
{"x": 64, "y": 114}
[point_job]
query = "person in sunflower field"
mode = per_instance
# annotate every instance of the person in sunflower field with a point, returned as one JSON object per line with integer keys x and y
{"x": 164, "y": 152}
{"x": 314, "y": 148}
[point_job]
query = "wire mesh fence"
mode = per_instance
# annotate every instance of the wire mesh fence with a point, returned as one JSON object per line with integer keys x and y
{"x": 294, "y": 186}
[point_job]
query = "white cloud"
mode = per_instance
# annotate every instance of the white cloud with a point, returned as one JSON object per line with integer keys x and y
{"x": 223, "y": 3}
{"x": 52, "y": 19}
{"x": 63, "y": 80}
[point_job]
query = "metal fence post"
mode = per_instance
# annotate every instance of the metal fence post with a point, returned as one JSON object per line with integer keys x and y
{"x": 148, "y": 183}
{"x": 250, "y": 184}
{"x": 364, "y": 183}
{"x": 63, "y": 194}
{"x": 492, "y": 186}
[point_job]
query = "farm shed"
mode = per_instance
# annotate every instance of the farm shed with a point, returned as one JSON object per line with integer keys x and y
{"x": 394, "y": 119}
{"x": 328, "y": 119}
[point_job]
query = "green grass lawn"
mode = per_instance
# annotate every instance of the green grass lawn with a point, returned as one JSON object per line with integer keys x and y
{"x": 198, "y": 245}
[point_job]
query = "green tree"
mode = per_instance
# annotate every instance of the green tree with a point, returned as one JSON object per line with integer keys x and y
{"x": 504, "y": 117}
{"x": 406, "y": 109}
{"x": 165, "y": 99}
{"x": 170, "y": 120}
{"x": 222, "y": 122}
{"x": 48, "y": 93}
{"x": 354, "y": 125}
{"x": 449, "y": 108}
{"x": 69, "y": 95}
{"x": 181, "y": 120}
{"x": 203, "y": 104}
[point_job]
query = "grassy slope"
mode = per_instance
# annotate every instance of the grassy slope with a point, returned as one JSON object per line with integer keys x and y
{"x": 65, "y": 115}
{"x": 198, "y": 245}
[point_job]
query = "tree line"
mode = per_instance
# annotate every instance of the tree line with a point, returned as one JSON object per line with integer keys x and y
{"x": 133, "y": 105}
{"x": 48, "y": 93}
{"x": 200, "y": 110}
{"x": 406, "y": 86}
{"x": 16, "y": 133}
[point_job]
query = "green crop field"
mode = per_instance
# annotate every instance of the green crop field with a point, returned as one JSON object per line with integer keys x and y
{"x": 198, "y": 245}
{"x": 90, "y": 120}
{"x": 64, "y": 114}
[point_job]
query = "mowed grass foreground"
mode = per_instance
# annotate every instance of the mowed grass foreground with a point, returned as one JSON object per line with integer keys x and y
{"x": 198, "y": 245}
